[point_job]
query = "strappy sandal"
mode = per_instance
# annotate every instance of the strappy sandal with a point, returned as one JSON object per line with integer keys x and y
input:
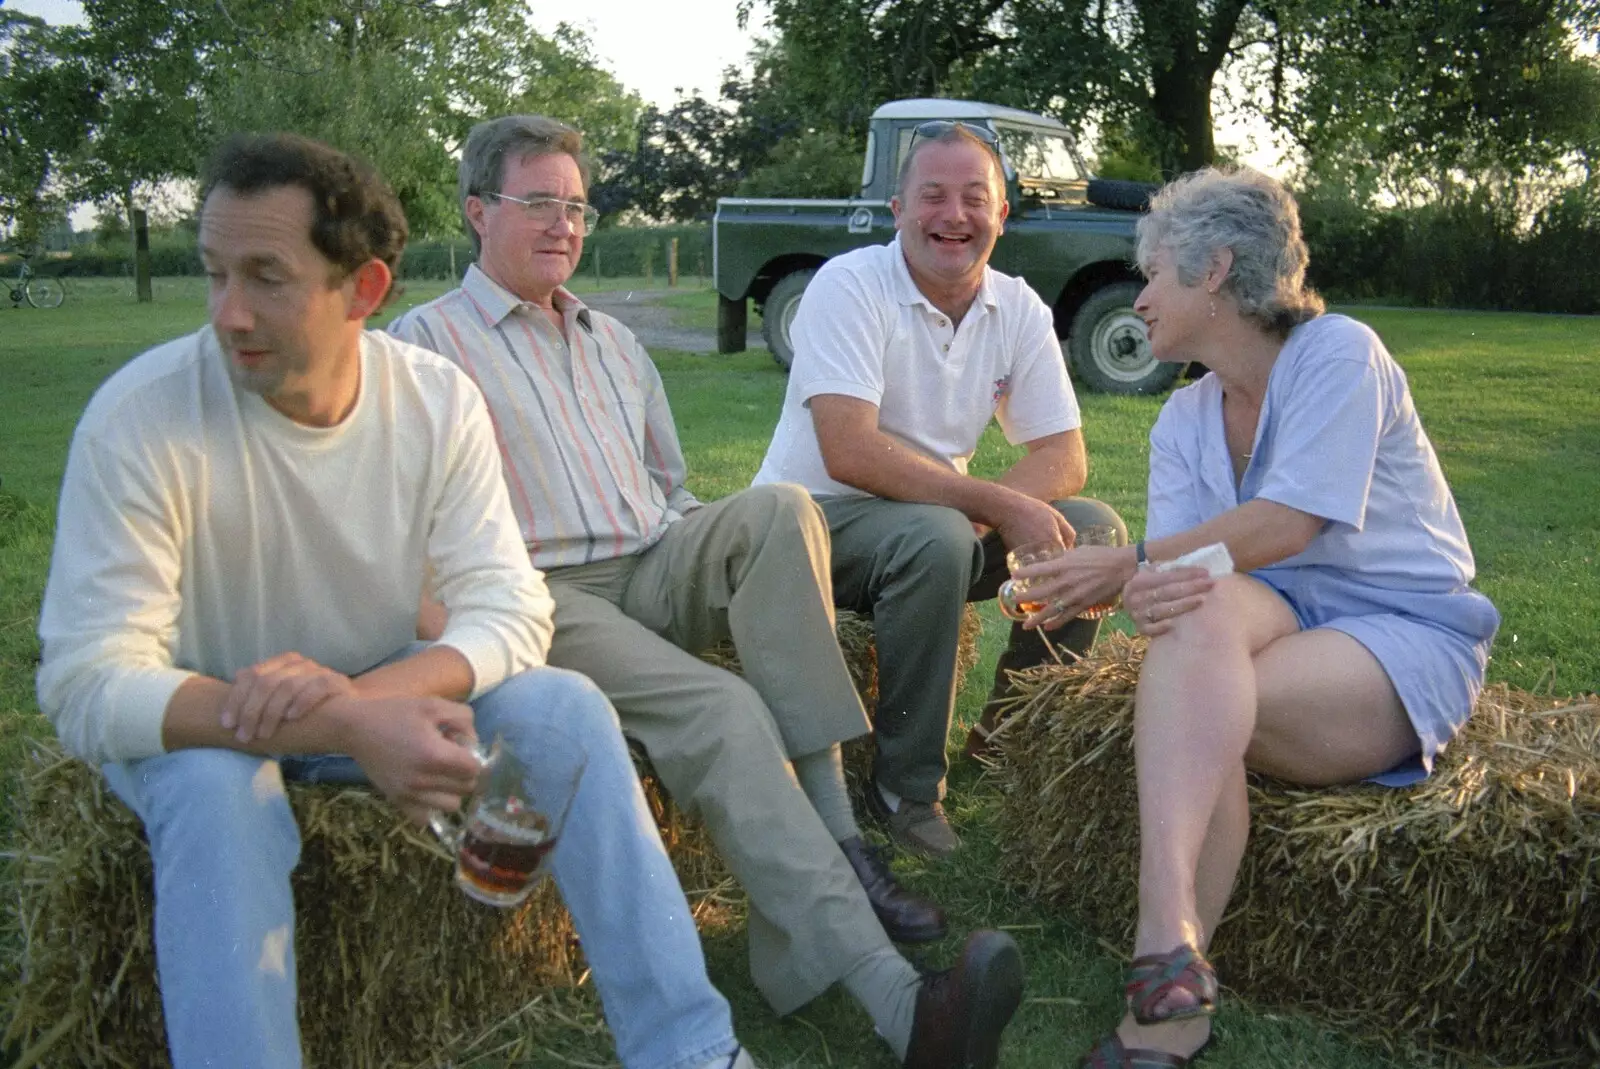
{"x": 1110, "y": 1053}
{"x": 1152, "y": 977}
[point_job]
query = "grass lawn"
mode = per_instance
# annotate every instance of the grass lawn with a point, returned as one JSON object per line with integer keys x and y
{"x": 1507, "y": 399}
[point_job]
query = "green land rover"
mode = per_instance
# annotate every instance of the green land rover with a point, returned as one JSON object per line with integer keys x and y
{"x": 1070, "y": 236}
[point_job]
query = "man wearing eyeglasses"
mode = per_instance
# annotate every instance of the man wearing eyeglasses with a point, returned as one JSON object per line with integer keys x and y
{"x": 903, "y": 353}
{"x": 644, "y": 575}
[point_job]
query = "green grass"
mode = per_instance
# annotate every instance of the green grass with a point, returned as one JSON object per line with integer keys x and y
{"x": 1507, "y": 399}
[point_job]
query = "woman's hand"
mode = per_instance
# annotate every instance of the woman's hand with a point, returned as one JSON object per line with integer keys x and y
{"x": 1155, "y": 599}
{"x": 1077, "y": 580}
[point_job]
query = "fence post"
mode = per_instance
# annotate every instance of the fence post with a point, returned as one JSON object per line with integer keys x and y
{"x": 141, "y": 256}
{"x": 596, "y": 250}
{"x": 672, "y": 262}
{"x": 453, "y": 277}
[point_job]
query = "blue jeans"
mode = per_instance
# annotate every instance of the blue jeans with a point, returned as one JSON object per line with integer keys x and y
{"x": 224, "y": 841}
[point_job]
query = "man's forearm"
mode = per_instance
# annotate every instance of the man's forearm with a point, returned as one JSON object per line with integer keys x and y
{"x": 886, "y": 467}
{"x": 1049, "y": 474}
{"x": 435, "y": 672}
{"x": 194, "y": 719}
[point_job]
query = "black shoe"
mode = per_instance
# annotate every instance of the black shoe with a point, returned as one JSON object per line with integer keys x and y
{"x": 907, "y": 917}
{"x": 961, "y": 1012}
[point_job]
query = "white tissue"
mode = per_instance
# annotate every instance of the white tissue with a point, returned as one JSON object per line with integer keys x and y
{"x": 1215, "y": 559}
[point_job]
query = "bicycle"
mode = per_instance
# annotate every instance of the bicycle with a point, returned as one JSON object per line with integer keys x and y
{"x": 38, "y": 290}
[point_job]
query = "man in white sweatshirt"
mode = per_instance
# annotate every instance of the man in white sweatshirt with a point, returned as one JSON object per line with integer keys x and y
{"x": 246, "y": 520}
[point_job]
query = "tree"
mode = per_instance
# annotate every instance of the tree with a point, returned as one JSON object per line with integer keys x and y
{"x": 1409, "y": 97}
{"x": 1499, "y": 75}
{"x": 1147, "y": 64}
{"x": 47, "y": 100}
{"x": 397, "y": 81}
{"x": 817, "y": 163}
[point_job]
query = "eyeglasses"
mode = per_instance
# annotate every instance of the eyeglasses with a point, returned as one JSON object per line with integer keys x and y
{"x": 544, "y": 211}
{"x": 940, "y": 127}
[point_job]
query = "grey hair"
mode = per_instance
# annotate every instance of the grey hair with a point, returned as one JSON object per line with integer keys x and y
{"x": 957, "y": 134}
{"x": 511, "y": 137}
{"x": 1252, "y": 215}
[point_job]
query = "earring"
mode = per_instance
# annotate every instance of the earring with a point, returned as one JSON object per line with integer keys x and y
{"x": 1213, "y": 308}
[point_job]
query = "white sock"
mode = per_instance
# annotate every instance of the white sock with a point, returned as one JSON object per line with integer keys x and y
{"x": 890, "y": 799}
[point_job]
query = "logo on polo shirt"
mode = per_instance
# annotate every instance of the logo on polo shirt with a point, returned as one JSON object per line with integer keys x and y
{"x": 1002, "y": 386}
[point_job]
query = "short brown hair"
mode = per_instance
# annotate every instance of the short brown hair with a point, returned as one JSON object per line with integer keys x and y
{"x": 355, "y": 216}
{"x": 956, "y": 134}
{"x": 492, "y": 142}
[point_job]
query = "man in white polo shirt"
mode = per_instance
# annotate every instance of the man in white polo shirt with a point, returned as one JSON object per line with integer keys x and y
{"x": 903, "y": 353}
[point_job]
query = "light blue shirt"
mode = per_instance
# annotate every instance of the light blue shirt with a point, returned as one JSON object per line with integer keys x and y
{"x": 1338, "y": 438}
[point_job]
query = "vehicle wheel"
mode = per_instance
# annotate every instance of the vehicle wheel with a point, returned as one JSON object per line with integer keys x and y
{"x": 1120, "y": 193}
{"x": 46, "y": 292}
{"x": 1108, "y": 348}
{"x": 777, "y": 315}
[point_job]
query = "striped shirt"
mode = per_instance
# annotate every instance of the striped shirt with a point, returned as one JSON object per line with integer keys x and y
{"x": 587, "y": 442}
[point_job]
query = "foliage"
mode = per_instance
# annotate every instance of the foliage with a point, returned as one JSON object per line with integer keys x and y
{"x": 38, "y": 64}
{"x": 1480, "y": 247}
{"x": 1407, "y": 98}
{"x": 817, "y": 163}
{"x": 1148, "y": 65}
{"x": 684, "y": 157}
{"x": 1473, "y": 82}
{"x": 397, "y": 81}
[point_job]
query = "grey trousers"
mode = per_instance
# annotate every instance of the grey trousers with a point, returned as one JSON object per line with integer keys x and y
{"x": 913, "y": 568}
{"x": 753, "y": 567}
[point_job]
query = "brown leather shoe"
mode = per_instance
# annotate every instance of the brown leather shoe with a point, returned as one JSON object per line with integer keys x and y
{"x": 906, "y": 916}
{"x": 920, "y": 827}
{"x": 962, "y": 1011}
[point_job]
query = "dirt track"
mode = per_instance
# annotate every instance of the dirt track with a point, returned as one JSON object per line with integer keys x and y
{"x": 653, "y": 324}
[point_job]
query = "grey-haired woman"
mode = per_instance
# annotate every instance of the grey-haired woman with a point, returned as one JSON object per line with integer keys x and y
{"x": 1348, "y": 644}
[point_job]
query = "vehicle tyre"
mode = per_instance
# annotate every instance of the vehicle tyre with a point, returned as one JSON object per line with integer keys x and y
{"x": 777, "y": 315}
{"x": 46, "y": 292}
{"x": 1120, "y": 193}
{"x": 1108, "y": 348}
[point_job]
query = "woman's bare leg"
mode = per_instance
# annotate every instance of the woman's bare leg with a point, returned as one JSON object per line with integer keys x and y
{"x": 1195, "y": 712}
{"x": 1325, "y": 713}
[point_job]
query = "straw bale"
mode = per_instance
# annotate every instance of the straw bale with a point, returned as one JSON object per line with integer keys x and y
{"x": 1462, "y": 914}
{"x": 395, "y": 966}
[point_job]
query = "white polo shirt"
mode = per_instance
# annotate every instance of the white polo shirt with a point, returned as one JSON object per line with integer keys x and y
{"x": 864, "y": 330}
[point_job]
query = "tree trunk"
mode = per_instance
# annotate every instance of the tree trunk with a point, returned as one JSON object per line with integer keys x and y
{"x": 1185, "y": 55}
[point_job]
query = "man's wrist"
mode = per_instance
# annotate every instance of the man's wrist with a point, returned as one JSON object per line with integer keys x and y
{"x": 343, "y": 715}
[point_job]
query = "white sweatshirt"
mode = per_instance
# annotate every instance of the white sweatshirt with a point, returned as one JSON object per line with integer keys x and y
{"x": 201, "y": 531}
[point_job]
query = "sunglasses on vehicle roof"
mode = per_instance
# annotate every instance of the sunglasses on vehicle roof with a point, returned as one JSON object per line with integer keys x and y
{"x": 940, "y": 127}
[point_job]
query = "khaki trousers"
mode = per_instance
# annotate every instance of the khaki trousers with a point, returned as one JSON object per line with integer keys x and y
{"x": 754, "y": 567}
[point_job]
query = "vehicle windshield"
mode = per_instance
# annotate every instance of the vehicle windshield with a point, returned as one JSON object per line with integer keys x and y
{"x": 1040, "y": 157}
